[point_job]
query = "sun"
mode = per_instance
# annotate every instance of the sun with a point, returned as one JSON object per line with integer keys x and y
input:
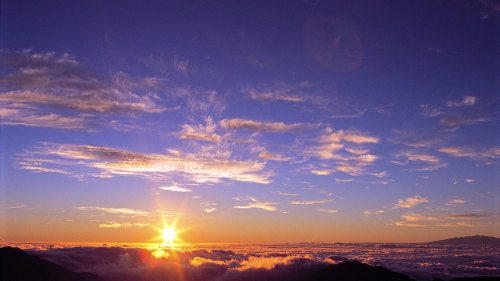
{"x": 169, "y": 235}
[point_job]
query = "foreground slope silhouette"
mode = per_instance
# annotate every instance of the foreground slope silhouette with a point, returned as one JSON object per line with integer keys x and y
{"x": 17, "y": 265}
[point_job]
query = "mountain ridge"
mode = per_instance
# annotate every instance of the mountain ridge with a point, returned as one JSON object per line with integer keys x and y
{"x": 468, "y": 240}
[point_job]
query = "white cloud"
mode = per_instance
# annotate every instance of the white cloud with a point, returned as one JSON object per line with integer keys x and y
{"x": 109, "y": 161}
{"x": 119, "y": 225}
{"x": 472, "y": 153}
{"x": 359, "y": 113}
{"x": 268, "y": 206}
{"x": 454, "y": 202}
{"x": 311, "y": 202}
{"x": 287, "y": 194}
{"x": 124, "y": 211}
{"x": 418, "y": 217}
{"x": 330, "y": 211}
{"x": 369, "y": 213}
{"x": 410, "y": 202}
{"x": 31, "y": 118}
{"x": 343, "y": 180}
{"x": 257, "y": 126}
{"x": 429, "y": 111}
{"x": 466, "y": 101}
{"x": 331, "y": 136}
{"x": 55, "y": 91}
{"x": 271, "y": 156}
{"x": 415, "y": 156}
{"x": 200, "y": 132}
{"x": 175, "y": 188}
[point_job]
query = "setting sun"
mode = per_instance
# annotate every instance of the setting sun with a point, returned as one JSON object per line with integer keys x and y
{"x": 169, "y": 235}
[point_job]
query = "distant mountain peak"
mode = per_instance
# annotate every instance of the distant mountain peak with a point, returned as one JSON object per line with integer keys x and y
{"x": 469, "y": 240}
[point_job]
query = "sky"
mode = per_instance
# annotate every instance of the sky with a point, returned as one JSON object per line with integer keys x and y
{"x": 249, "y": 121}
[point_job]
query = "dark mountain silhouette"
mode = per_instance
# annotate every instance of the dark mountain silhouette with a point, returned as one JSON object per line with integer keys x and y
{"x": 354, "y": 270}
{"x": 17, "y": 265}
{"x": 478, "y": 240}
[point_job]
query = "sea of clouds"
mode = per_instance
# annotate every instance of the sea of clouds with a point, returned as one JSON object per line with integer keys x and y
{"x": 240, "y": 262}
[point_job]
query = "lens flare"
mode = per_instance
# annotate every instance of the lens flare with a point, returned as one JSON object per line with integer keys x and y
{"x": 169, "y": 235}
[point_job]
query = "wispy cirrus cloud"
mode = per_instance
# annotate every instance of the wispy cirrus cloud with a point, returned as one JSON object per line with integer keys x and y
{"x": 89, "y": 160}
{"x": 454, "y": 202}
{"x": 430, "y": 111}
{"x": 466, "y": 101}
{"x": 55, "y": 91}
{"x": 472, "y": 153}
{"x": 434, "y": 224}
{"x": 272, "y": 156}
{"x": 416, "y": 156}
{"x": 329, "y": 211}
{"x": 122, "y": 224}
{"x": 414, "y": 139}
{"x": 257, "y": 126}
{"x": 410, "y": 202}
{"x": 346, "y": 149}
{"x": 464, "y": 120}
{"x": 46, "y": 79}
{"x": 443, "y": 220}
{"x": 19, "y": 206}
{"x": 331, "y": 136}
{"x": 311, "y": 202}
{"x": 210, "y": 210}
{"x": 175, "y": 188}
{"x": 122, "y": 211}
{"x": 465, "y": 216}
{"x": 287, "y": 194}
{"x": 34, "y": 118}
{"x": 369, "y": 213}
{"x": 280, "y": 92}
{"x": 418, "y": 217}
{"x": 200, "y": 132}
{"x": 433, "y": 162}
{"x": 344, "y": 180}
{"x": 356, "y": 114}
{"x": 254, "y": 203}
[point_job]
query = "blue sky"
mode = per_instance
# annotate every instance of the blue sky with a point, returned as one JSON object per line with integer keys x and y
{"x": 242, "y": 120}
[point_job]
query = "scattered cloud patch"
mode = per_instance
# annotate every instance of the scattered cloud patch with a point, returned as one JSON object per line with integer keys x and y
{"x": 410, "y": 202}
{"x": 119, "y": 225}
{"x": 357, "y": 114}
{"x": 175, "y": 188}
{"x": 429, "y": 111}
{"x": 274, "y": 157}
{"x": 465, "y": 216}
{"x": 257, "y": 126}
{"x": 200, "y": 132}
{"x": 474, "y": 154}
{"x": 210, "y": 210}
{"x": 254, "y": 203}
{"x": 466, "y": 101}
{"x": 454, "y": 202}
{"x": 329, "y": 211}
{"x": 109, "y": 162}
{"x": 288, "y": 194}
{"x": 123, "y": 211}
{"x": 369, "y": 213}
{"x": 311, "y": 202}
